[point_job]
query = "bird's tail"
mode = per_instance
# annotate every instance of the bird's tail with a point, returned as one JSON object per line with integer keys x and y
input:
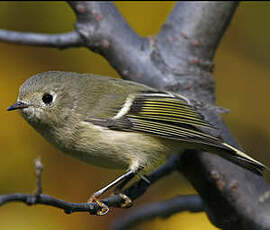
{"x": 244, "y": 160}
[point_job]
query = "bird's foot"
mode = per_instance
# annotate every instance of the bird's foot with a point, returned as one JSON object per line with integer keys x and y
{"x": 103, "y": 208}
{"x": 126, "y": 202}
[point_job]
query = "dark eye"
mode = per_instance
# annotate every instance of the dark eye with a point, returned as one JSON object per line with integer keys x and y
{"x": 47, "y": 98}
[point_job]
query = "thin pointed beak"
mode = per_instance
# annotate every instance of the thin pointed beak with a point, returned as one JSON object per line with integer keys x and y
{"x": 17, "y": 105}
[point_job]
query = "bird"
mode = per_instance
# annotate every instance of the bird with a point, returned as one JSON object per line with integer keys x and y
{"x": 118, "y": 124}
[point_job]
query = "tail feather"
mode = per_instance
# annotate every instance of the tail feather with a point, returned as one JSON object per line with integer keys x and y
{"x": 245, "y": 161}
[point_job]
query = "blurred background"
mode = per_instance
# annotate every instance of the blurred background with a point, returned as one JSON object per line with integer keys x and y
{"x": 242, "y": 85}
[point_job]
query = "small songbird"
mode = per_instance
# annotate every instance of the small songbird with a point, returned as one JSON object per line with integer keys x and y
{"x": 118, "y": 124}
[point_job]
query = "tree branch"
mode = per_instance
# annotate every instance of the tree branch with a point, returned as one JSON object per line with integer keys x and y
{"x": 163, "y": 209}
{"x": 225, "y": 188}
{"x": 71, "y": 39}
{"x": 105, "y": 32}
{"x": 231, "y": 194}
{"x": 134, "y": 191}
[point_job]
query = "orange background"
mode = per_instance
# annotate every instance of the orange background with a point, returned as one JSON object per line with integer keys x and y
{"x": 242, "y": 85}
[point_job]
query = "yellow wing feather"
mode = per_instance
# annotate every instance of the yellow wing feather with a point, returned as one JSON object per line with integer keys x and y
{"x": 171, "y": 116}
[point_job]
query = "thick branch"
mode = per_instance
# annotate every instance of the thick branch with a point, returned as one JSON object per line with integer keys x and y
{"x": 195, "y": 29}
{"x": 163, "y": 209}
{"x": 71, "y": 39}
{"x": 233, "y": 196}
{"x": 106, "y": 32}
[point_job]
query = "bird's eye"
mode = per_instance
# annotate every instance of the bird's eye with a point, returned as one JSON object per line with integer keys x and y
{"x": 47, "y": 98}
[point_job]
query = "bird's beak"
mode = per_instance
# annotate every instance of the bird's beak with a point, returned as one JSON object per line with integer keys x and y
{"x": 17, "y": 105}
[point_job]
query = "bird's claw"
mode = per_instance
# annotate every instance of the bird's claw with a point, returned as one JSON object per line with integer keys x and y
{"x": 127, "y": 202}
{"x": 103, "y": 208}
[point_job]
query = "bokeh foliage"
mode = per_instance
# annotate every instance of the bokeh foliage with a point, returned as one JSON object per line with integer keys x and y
{"x": 242, "y": 82}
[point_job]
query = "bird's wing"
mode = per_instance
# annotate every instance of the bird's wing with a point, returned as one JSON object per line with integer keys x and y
{"x": 165, "y": 115}
{"x": 172, "y": 116}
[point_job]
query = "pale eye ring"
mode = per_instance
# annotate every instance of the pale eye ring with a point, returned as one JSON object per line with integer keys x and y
{"x": 47, "y": 98}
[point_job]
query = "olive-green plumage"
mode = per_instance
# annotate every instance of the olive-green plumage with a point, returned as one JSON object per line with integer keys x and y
{"x": 117, "y": 124}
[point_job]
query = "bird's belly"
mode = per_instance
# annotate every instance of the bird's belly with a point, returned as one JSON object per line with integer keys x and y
{"x": 118, "y": 149}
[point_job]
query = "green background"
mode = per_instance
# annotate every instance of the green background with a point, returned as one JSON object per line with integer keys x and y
{"x": 242, "y": 85}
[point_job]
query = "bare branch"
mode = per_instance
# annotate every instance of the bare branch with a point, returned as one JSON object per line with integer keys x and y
{"x": 163, "y": 209}
{"x": 191, "y": 34}
{"x": 71, "y": 39}
{"x": 48, "y": 200}
{"x": 107, "y": 33}
{"x": 134, "y": 191}
{"x": 38, "y": 171}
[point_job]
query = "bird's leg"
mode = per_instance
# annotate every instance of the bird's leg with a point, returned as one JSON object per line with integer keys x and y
{"x": 121, "y": 185}
{"x": 122, "y": 178}
{"x": 96, "y": 195}
{"x": 127, "y": 201}
{"x": 146, "y": 179}
{"x": 117, "y": 190}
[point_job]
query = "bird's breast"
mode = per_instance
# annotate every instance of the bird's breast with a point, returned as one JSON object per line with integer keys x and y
{"x": 107, "y": 148}
{"x": 119, "y": 149}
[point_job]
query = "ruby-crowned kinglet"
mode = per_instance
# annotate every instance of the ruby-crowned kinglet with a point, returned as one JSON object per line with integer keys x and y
{"x": 116, "y": 123}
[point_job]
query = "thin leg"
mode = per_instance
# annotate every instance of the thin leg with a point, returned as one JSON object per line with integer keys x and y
{"x": 127, "y": 201}
{"x": 146, "y": 179}
{"x": 128, "y": 174}
{"x": 121, "y": 185}
{"x": 94, "y": 198}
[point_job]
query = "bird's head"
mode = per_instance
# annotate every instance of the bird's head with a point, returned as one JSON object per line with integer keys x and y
{"x": 44, "y": 99}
